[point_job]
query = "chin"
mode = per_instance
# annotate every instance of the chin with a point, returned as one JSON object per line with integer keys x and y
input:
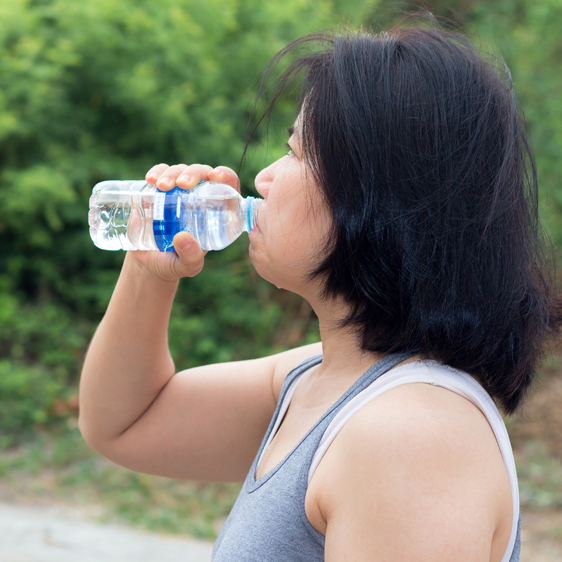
{"x": 264, "y": 273}
{"x": 262, "y": 269}
{"x": 281, "y": 274}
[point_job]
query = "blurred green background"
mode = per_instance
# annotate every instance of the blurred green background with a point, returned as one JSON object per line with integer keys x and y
{"x": 104, "y": 89}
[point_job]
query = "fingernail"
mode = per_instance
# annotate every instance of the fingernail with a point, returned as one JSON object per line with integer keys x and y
{"x": 217, "y": 171}
{"x": 166, "y": 182}
{"x": 151, "y": 177}
{"x": 184, "y": 179}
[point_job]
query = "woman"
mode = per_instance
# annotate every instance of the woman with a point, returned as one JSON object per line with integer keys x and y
{"x": 405, "y": 213}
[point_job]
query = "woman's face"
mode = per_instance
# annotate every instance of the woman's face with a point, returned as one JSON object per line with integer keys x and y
{"x": 293, "y": 221}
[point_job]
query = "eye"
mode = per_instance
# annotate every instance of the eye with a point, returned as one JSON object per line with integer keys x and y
{"x": 286, "y": 145}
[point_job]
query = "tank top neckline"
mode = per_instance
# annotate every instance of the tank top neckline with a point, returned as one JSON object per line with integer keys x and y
{"x": 254, "y": 484}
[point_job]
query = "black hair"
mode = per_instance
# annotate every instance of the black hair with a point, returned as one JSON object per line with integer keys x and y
{"x": 418, "y": 144}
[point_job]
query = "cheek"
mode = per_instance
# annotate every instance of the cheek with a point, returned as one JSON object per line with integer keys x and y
{"x": 300, "y": 229}
{"x": 295, "y": 223}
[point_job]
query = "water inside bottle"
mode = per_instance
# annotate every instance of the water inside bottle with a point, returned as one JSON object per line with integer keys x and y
{"x": 215, "y": 224}
{"x": 212, "y": 219}
{"x": 130, "y": 219}
{"x": 122, "y": 220}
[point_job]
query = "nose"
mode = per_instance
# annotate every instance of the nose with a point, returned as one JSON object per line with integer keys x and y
{"x": 263, "y": 181}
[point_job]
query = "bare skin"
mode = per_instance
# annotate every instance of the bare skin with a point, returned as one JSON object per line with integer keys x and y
{"x": 414, "y": 475}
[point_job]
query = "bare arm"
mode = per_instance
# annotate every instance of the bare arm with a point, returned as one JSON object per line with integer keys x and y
{"x": 128, "y": 361}
{"x": 204, "y": 423}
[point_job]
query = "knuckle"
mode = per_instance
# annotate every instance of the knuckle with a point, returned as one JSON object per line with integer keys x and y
{"x": 201, "y": 168}
{"x": 171, "y": 171}
{"x": 158, "y": 168}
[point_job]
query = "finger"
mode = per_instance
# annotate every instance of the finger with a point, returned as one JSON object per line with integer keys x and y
{"x": 190, "y": 256}
{"x": 225, "y": 175}
{"x": 168, "y": 178}
{"x": 192, "y": 175}
{"x": 155, "y": 172}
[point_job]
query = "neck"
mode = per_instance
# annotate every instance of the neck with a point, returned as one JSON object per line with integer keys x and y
{"x": 343, "y": 357}
{"x": 341, "y": 347}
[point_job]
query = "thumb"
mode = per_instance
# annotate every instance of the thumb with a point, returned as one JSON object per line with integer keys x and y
{"x": 190, "y": 256}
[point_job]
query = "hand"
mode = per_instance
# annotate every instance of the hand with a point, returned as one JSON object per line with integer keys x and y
{"x": 188, "y": 258}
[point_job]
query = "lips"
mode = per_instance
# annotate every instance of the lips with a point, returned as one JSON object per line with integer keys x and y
{"x": 260, "y": 219}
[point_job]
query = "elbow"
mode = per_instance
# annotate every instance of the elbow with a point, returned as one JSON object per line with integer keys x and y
{"x": 86, "y": 434}
{"x": 91, "y": 439}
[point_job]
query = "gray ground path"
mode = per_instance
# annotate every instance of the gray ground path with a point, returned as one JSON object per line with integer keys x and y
{"x": 45, "y": 534}
{"x": 55, "y": 534}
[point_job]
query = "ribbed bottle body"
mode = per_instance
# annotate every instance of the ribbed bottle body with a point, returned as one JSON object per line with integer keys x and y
{"x": 134, "y": 215}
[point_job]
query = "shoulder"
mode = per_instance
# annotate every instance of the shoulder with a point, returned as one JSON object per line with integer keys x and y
{"x": 438, "y": 428}
{"x": 286, "y": 361}
{"x": 419, "y": 412}
{"x": 422, "y": 429}
{"x": 418, "y": 464}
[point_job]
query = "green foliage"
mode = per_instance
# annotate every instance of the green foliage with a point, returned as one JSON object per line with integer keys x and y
{"x": 41, "y": 334}
{"x": 27, "y": 395}
{"x": 99, "y": 90}
{"x": 40, "y": 345}
{"x": 527, "y": 35}
{"x": 104, "y": 89}
{"x": 540, "y": 478}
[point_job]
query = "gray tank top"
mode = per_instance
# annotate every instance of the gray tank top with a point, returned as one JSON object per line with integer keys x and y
{"x": 268, "y": 522}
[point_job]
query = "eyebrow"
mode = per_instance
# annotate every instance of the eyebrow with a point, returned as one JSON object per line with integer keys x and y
{"x": 291, "y": 131}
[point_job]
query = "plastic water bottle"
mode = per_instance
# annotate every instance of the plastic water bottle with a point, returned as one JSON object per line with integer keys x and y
{"x": 135, "y": 215}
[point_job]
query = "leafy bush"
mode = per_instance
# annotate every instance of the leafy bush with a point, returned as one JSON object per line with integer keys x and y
{"x": 104, "y": 89}
{"x": 28, "y": 394}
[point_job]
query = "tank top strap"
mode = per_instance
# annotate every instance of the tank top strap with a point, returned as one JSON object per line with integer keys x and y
{"x": 299, "y": 370}
{"x": 285, "y": 394}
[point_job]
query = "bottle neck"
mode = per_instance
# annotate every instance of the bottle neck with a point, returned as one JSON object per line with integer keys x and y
{"x": 248, "y": 216}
